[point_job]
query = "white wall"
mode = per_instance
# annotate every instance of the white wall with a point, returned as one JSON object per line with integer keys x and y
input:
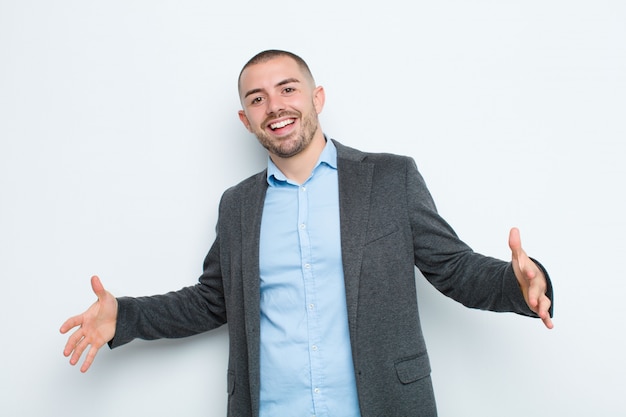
{"x": 118, "y": 134}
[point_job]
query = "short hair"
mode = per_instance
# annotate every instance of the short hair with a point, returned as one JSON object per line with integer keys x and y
{"x": 270, "y": 54}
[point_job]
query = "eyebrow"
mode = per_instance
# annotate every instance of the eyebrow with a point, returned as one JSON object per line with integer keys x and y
{"x": 283, "y": 82}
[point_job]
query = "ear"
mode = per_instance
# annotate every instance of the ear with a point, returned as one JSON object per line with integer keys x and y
{"x": 244, "y": 120}
{"x": 319, "y": 98}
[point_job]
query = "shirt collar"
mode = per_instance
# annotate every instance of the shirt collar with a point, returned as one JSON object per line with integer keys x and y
{"x": 328, "y": 157}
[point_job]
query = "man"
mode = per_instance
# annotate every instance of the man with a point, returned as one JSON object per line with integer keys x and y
{"x": 313, "y": 268}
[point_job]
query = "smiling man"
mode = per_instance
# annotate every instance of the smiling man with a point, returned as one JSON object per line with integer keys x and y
{"x": 313, "y": 268}
{"x": 280, "y": 106}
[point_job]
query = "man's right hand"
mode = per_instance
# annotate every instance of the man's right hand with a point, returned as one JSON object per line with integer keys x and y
{"x": 96, "y": 327}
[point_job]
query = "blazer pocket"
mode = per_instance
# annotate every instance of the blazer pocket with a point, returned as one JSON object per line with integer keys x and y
{"x": 381, "y": 234}
{"x": 413, "y": 368}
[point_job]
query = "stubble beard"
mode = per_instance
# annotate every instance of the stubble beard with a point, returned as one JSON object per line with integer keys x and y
{"x": 294, "y": 143}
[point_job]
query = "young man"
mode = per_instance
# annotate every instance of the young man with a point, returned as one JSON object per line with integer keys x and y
{"x": 313, "y": 268}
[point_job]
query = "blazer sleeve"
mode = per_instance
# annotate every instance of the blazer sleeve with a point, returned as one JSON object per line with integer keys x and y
{"x": 191, "y": 310}
{"x": 451, "y": 266}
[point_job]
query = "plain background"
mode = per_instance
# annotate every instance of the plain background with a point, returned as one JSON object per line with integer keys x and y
{"x": 119, "y": 133}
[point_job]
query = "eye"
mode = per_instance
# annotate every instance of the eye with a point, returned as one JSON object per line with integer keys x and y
{"x": 288, "y": 90}
{"x": 256, "y": 100}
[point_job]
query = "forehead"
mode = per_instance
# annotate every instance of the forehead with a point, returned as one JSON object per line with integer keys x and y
{"x": 269, "y": 73}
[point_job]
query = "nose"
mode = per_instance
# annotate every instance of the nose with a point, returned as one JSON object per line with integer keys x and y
{"x": 275, "y": 105}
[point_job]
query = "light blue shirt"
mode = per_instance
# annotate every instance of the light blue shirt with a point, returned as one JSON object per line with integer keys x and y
{"x": 306, "y": 361}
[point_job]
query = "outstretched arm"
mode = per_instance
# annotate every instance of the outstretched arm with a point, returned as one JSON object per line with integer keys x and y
{"x": 96, "y": 326}
{"x": 531, "y": 279}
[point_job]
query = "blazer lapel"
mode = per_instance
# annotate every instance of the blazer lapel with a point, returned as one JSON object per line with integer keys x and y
{"x": 251, "y": 212}
{"x": 355, "y": 182}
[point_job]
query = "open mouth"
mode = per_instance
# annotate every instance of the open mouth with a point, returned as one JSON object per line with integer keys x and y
{"x": 281, "y": 124}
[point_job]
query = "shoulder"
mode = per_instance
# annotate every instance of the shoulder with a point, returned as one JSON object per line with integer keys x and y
{"x": 346, "y": 154}
{"x": 244, "y": 189}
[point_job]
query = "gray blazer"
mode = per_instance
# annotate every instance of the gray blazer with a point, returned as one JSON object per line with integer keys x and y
{"x": 389, "y": 225}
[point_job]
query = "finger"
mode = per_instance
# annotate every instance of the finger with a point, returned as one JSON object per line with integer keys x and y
{"x": 537, "y": 287}
{"x": 79, "y": 348}
{"x": 544, "y": 311}
{"x": 91, "y": 355}
{"x": 541, "y": 306}
{"x": 547, "y": 321}
{"x": 528, "y": 268}
{"x": 72, "y": 341}
{"x": 71, "y": 323}
{"x": 533, "y": 301}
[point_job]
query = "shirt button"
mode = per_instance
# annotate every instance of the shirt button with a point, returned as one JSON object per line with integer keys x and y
{"x": 307, "y": 266}
{"x": 314, "y": 347}
{"x": 302, "y": 225}
{"x": 316, "y": 390}
{"x": 311, "y": 306}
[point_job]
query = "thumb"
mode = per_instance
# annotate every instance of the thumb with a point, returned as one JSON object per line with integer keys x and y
{"x": 521, "y": 262}
{"x": 515, "y": 242}
{"x": 97, "y": 287}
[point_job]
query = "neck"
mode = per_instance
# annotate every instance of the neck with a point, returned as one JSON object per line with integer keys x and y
{"x": 298, "y": 168}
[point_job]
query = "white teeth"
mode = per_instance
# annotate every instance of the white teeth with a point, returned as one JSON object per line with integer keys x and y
{"x": 284, "y": 123}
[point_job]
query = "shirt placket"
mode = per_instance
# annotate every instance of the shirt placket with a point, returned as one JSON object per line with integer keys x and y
{"x": 313, "y": 328}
